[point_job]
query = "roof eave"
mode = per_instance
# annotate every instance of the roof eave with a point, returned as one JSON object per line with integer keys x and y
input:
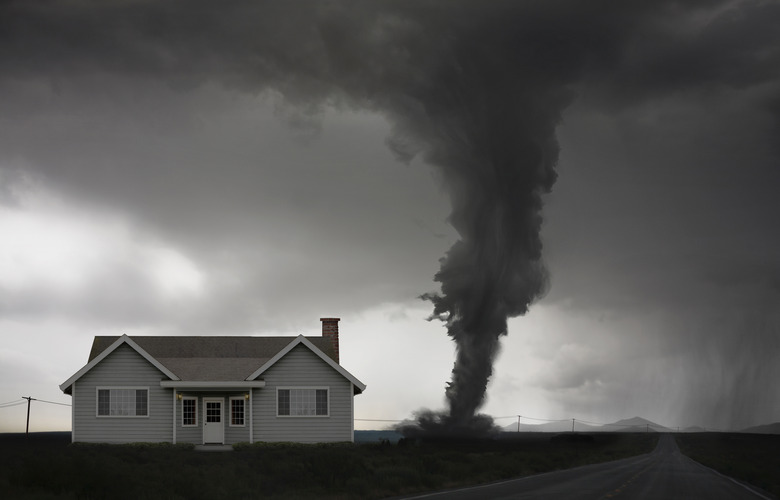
{"x": 124, "y": 339}
{"x": 300, "y": 339}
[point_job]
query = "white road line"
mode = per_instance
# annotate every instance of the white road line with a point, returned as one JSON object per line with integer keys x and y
{"x": 756, "y": 493}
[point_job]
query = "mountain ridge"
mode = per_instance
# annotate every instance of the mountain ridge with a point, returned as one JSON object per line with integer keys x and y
{"x": 633, "y": 424}
{"x": 763, "y": 429}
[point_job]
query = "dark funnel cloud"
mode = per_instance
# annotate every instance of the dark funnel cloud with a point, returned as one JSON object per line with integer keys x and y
{"x": 495, "y": 142}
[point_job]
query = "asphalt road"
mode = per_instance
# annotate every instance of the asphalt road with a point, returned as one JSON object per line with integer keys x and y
{"x": 664, "y": 474}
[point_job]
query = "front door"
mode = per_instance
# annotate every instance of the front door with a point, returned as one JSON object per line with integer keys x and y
{"x": 213, "y": 425}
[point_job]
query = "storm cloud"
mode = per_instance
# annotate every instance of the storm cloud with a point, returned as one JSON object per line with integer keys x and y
{"x": 155, "y": 114}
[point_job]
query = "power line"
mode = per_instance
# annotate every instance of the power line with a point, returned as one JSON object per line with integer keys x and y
{"x": 613, "y": 425}
{"x": 28, "y": 400}
{"x": 647, "y": 425}
{"x": 11, "y": 405}
{"x": 52, "y": 402}
{"x": 545, "y": 419}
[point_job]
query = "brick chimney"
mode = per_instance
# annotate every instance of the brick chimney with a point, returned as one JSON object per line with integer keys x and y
{"x": 330, "y": 330}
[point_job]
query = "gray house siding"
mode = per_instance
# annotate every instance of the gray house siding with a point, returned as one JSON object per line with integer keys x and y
{"x": 194, "y": 435}
{"x": 302, "y": 368}
{"x": 122, "y": 368}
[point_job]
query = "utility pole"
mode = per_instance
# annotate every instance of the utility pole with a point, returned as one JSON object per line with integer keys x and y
{"x": 518, "y": 423}
{"x": 27, "y": 430}
{"x": 572, "y": 425}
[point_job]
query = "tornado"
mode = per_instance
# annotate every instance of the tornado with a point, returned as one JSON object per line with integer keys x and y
{"x": 501, "y": 156}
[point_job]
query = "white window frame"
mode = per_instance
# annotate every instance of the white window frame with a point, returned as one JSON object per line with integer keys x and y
{"x": 114, "y": 387}
{"x": 189, "y": 398}
{"x": 230, "y": 410}
{"x": 314, "y": 388}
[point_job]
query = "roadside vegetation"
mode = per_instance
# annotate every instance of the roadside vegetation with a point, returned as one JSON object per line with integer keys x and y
{"x": 753, "y": 458}
{"x": 49, "y": 467}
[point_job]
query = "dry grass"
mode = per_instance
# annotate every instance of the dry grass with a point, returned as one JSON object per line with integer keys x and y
{"x": 49, "y": 467}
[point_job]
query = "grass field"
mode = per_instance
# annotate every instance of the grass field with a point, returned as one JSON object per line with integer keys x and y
{"x": 47, "y": 466}
{"x": 753, "y": 458}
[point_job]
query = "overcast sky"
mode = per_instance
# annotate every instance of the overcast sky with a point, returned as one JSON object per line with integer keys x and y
{"x": 174, "y": 168}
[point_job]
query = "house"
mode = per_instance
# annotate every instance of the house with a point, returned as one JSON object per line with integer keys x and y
{"x": 205, "y": 390}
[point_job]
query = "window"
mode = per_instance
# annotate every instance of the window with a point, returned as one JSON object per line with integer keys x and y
{"x": 302, "y": 402}
{"x": 123, "y": 402}
{"x": 189, "y": 412}
{"x": 237, "y": 412}
{"x": 213, "y": 411}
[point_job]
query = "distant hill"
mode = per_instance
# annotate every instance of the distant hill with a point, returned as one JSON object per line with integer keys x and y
{"x": 559, "y": 426}
{"x": 635, "y": 424}
{"x": 764, "y": 429}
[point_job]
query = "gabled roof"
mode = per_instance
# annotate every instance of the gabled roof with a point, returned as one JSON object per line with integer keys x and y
{"x": 210, "y": 347}
{"x": 212, "y": 359}
{"x": 300, "y": 339}
{"x": 124, "y": 339}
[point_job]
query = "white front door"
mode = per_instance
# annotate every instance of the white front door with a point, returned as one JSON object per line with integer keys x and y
{"x": 213, "y": 425}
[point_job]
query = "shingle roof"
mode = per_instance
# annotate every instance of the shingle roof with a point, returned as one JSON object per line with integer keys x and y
{"x": 211, "y": 358}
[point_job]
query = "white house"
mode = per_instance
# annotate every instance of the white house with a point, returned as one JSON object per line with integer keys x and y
{"x": 222, "y": 390}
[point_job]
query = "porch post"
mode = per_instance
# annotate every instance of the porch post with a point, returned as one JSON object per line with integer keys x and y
{"x": 174, "y": 415}
{"x": 73, "y": 413}
{"x": 251, "y": 425}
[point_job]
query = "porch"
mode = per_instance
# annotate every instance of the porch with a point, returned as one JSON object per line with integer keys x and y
{"x": 212, "y": 415}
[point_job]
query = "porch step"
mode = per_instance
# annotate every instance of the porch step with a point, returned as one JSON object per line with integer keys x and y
{"x": 213, "y": 447}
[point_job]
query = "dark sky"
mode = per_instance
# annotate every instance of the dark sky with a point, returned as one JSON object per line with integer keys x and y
{"x": 186, "y": 168}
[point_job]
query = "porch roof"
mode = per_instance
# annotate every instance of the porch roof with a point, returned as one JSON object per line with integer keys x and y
{"x": 205, "y": 385}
